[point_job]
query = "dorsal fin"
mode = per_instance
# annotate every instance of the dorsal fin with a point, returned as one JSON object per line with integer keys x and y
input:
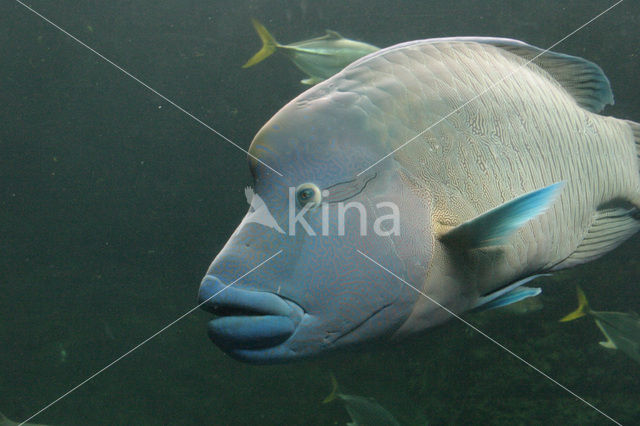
{"x": 331, "y": 35}
{"x": 582, "y": 79}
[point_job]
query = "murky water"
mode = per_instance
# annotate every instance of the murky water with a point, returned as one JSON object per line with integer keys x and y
{"x": 113, "y": 203}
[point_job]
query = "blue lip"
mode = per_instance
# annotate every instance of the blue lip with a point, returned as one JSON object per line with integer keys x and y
{"x": 218, "y": 297}
{"x": 255, "y": 332}
{"x": 247, "y": 319}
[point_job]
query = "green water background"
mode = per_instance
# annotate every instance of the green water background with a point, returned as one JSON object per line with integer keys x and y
{"x": 113, "y": 203}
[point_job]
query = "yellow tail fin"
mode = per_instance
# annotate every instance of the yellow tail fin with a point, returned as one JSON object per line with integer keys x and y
{"x": 334, "y": 390}
{"x": 269, "y": 45}
{"x": 583, "y": 307}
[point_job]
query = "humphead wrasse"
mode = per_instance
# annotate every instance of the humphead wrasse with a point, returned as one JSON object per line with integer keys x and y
{"x": 433, "y": 174}
{"x": 621, "y": 329}
{"x": 319, "y": 57}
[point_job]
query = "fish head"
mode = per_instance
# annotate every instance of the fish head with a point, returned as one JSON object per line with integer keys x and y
{"x": 328, "y": 253}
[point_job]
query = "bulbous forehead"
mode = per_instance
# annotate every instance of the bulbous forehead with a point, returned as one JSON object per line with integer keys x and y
{"x": 339, "y": 127}
{"x": 309, "y": 142}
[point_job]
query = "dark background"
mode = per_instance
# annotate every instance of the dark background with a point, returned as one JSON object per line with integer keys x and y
{"x": 113, "y": 203}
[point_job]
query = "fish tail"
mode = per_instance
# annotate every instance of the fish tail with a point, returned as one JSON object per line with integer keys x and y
{"x": 334, "y": 390}
{"x": 583, "y": 307}
{"x": 269, "y": 45}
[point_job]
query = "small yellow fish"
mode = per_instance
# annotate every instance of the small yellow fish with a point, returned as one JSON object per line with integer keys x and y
{"x": 621, "y": 329}
{"x": 319, "y": 57}
{"x": 362, "y": 410}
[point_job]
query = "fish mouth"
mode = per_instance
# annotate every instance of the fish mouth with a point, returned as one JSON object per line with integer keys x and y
{"x": 247, "y": 319}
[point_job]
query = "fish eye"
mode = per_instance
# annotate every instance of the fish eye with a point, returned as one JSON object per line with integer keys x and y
{"x": 308, "y": 193}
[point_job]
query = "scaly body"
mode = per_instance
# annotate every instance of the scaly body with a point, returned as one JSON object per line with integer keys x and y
{"x": 500, "y": 168}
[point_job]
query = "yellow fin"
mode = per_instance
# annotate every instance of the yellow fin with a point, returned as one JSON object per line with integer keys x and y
{"x": 609, "y": 344}
{"x": 334, "y": 390}
{"x": 583, "y": 307}
{"x": 269, "y": 45}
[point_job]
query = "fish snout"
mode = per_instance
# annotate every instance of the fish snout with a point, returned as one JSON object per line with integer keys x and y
{"x": 247, "y": 319}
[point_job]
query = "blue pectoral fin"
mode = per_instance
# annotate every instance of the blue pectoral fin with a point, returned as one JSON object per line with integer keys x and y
{"x": 507, "y": 295}
{"x": 495, "y": 226}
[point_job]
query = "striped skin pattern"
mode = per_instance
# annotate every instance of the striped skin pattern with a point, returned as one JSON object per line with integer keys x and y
{"x": 490, "y": 126}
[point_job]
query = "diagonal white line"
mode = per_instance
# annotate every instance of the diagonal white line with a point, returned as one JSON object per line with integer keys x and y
{"x": 491, "y": 86}
{"x": 145, "y": 85}
{"x": 518, "y": 357}
{"x": 146, "y": 340}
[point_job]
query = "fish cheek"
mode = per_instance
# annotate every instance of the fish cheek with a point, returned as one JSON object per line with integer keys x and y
{"x": 404, "y": 217}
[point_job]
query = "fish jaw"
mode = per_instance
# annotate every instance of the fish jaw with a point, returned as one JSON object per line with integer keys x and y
{"x": 261, "y": 327}
{"x": 299, "y": 305}
{"x": 246, "y": 319}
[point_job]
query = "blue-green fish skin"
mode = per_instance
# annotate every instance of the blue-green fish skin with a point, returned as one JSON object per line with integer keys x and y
{"x": 471, "y": 124}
